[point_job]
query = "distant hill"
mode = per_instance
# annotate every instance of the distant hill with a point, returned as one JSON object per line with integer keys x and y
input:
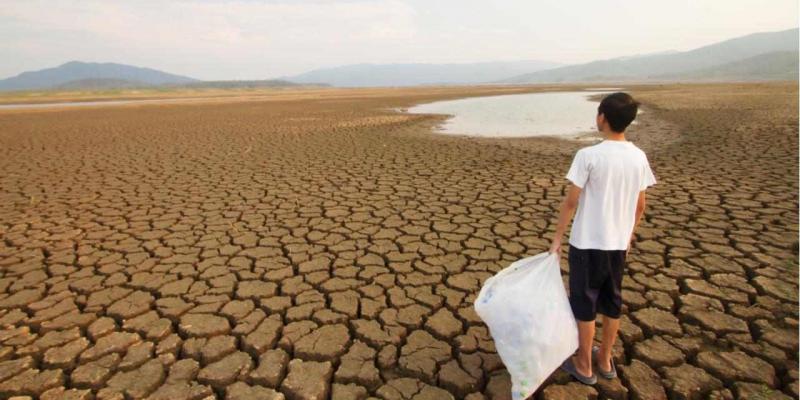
{"x": 253, "y": 84}
{"x": 693, "y": 64}
{"x": 778, "y": 65}
{"x": 99, "y": 83}
{"x": 359, "y": 75}
{"x": 75, "y": 73}
{"x": 759, "y": 56}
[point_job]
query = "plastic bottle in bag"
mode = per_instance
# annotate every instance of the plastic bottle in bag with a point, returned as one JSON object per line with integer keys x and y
{"x": 530, "y": 319}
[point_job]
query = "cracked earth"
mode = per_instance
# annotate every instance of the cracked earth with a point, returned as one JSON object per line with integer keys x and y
{"x": 326, "y": 246}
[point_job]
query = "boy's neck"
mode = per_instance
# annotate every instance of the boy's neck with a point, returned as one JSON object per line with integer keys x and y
{"x": 615, "y": 136}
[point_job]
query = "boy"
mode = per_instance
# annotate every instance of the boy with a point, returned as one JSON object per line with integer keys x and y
{"x": 608, "y": 184}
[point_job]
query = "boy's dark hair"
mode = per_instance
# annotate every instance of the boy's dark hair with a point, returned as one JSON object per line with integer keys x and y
{"x": 619, "y": 109}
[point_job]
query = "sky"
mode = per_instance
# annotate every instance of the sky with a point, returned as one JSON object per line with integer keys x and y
{"x": 262, "y": 39}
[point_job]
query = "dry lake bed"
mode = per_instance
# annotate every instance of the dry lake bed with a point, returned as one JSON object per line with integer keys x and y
{"x": 319, "y": 244}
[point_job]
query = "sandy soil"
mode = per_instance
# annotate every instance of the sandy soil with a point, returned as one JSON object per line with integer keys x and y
{"x": 261, "y": 94}
{"x": 321, "y": 244}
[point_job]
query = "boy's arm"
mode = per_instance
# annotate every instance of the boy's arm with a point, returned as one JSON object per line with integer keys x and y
{"x": 568, "y": 206}
{"x": 649, "y": 180}
{"x": 640, "y": 204}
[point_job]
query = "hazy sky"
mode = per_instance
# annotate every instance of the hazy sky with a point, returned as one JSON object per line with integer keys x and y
{"x": 257, "y": 39}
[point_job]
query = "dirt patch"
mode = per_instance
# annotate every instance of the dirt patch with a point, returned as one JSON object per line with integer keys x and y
{"x": 244, "y": 247}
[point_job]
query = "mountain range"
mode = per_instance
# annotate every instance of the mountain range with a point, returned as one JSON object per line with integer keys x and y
{"x": 755, "y": 57}
{"x": 76, "y": 74}
{"x": 759, "y": 56}
{"x": 361, "y": 75}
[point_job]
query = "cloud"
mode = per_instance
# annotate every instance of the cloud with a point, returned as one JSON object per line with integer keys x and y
{"x": 215, "y": 33}
{"x": 255, "y": 39}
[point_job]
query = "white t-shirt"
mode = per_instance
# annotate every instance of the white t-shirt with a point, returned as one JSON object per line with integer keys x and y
{"x": 611, "y": 174}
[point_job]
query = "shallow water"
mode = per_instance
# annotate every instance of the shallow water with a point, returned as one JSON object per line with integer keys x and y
{"x": 517, "y": 115}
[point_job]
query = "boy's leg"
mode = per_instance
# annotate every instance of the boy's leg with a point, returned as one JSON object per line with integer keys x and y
{"x": 583, "y": 360}
{"x": 610, "y": 329}
{"x": 583, "y": 298}
{"x": 610, "y": 305}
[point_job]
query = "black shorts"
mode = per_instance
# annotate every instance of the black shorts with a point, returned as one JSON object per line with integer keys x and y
{"x": 595, "y": 282}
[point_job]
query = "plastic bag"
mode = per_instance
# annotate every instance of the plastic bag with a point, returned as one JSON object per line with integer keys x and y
{"x": 529, "y": 317}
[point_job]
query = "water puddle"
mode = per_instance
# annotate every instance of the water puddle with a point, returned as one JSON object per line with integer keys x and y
{"x": 518, "y": 115}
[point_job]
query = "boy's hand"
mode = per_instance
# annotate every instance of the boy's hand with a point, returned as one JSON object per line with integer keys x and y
{"x": 555, "y": 247}
{"x": 630, "y": 244}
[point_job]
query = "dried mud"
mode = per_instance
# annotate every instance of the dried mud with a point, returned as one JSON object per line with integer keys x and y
{"x": 325, "y": 246}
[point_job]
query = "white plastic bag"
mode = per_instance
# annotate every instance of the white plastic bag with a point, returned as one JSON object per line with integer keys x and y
{"x": 528, "y": 314}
